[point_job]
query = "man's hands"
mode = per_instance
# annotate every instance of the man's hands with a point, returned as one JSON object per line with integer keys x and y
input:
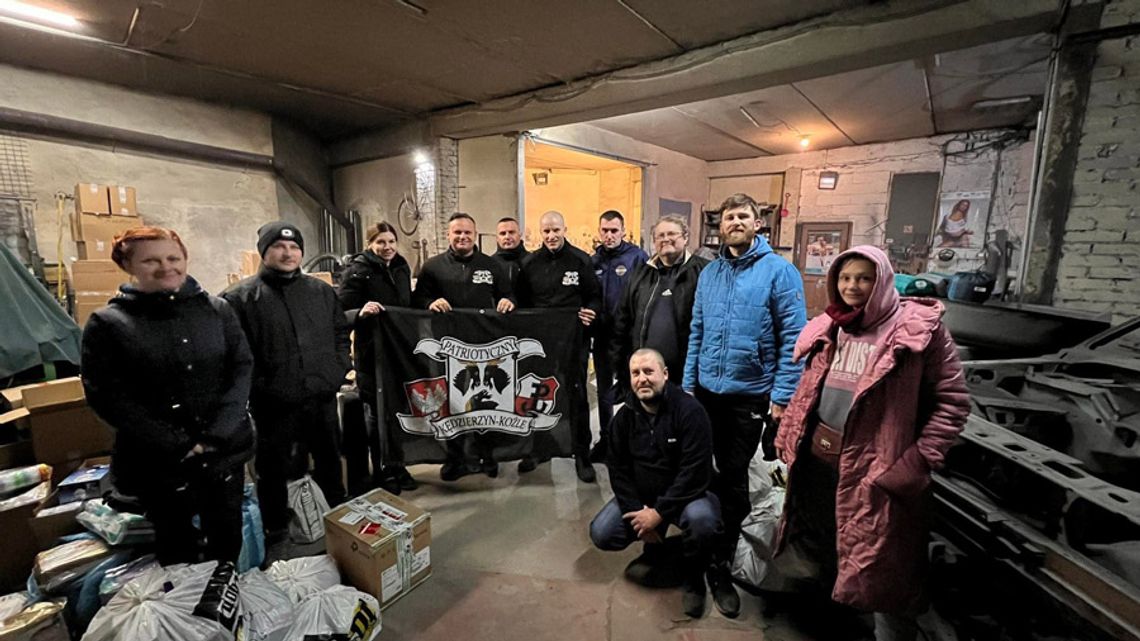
{"x": 505, "y": 306}
{"x": 587, "y": 316}
{"x": 371, "y": 308}
{"x": 645, "y": 523}
{"x": 777, "y": 411}
{"x": 440, "y": 305}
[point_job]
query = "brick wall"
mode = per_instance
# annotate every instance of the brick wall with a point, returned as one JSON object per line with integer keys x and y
{"x": 1098, "y": 270}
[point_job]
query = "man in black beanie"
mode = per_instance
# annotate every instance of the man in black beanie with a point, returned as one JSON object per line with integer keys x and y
{"x": 300, "y": 342}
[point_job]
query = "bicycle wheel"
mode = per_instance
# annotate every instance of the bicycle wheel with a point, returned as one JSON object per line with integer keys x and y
{"x": 408, "y": 216}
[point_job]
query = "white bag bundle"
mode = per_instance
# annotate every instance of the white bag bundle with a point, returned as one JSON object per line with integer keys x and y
{"x": 159, "y": 606}
{"x": 309, "y": 506}
{"x": 753, "y": 559}
{"x": 266, "y": 609}
{"x": 303, "y": 576}
{"x": 339, "y": 612}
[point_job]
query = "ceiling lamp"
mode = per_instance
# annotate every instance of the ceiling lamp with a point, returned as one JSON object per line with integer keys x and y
{"x": 804, "y": 142}
{"x": 28, "y": 15}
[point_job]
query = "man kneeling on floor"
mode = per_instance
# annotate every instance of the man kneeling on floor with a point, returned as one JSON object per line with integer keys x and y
{"x": 660, "y": 464}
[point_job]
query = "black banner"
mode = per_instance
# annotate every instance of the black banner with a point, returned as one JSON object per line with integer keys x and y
{"x": 484, "y": 384}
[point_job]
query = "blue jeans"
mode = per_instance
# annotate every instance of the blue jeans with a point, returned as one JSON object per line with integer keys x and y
{"x": 699, "y": 522}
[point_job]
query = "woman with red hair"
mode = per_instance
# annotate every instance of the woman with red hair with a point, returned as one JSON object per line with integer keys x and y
{"x": 167, "y": 366}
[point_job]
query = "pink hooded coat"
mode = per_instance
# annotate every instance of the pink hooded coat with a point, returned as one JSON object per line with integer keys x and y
{"x": 908, "y": 407}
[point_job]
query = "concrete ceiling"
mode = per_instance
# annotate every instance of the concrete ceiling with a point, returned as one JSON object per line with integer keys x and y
{"x": 355, "y": 65}
{"x": 924, "y": 97}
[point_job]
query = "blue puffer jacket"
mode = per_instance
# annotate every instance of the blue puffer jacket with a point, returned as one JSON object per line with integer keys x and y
{"x": 746, "y": 317}
{"x": 614, "y": 268}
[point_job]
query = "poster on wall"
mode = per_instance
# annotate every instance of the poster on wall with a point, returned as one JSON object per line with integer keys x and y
{"x": 961, "y": 220}
{"x": 821, "y": 250}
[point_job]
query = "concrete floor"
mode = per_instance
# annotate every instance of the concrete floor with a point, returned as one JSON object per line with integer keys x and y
{"x": 512, "y": 560}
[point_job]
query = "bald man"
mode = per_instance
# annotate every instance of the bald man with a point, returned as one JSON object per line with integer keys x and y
{"x": 561, "y": 275}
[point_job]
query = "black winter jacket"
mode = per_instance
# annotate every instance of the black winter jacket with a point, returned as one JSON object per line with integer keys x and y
{"x": 166, "y": 371}
{"x": 564, "y": 278}
{"x": 631, "y": 322}
{"x": 476, "y": 281}
{"x": 298, "y": 334}
{"x": 512, "y": 259}
{"x": 367, "y": 278}
{"x": 683, "y": 435}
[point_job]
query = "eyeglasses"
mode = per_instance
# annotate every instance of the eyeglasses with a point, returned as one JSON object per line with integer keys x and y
{"x": 666, "y": 235}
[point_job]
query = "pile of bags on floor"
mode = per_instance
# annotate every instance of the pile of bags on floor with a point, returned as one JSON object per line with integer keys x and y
{"x": 294, "y": 600}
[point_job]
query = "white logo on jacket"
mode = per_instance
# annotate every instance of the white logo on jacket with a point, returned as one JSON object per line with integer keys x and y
{"x": 620, "y": 270}
{"x": 570, "y": 279}
{"x": 482, "y": 277}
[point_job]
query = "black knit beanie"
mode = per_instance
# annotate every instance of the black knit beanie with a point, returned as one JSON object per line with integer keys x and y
{"x": 275, "y": 231}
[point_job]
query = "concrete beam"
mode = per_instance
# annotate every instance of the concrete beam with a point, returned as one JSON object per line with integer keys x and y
{"x": 384, "y": 143}
{"x": 858, "y": 38}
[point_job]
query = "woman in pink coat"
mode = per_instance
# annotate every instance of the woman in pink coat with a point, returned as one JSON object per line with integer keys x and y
{"x": 881, "y": 399}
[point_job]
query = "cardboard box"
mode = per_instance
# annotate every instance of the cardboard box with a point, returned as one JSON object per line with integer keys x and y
{"x": 19, "y": 552}
{"x": 92, "y": 199}
{"x": 96, "y": 277}
{"x": 250, "y": 263}
{"x": 381, "y": 544}
{"x": 124, "y": 201}
{"x": 50, "y": 521}
{"x": 84, "y": 310}
{"x": 96, "y": 234}
{"x": 325, "y": 277}
{"x": 90, "y": 481}
{"x": 17, "y": 454}
{"x": 63, "y": 428}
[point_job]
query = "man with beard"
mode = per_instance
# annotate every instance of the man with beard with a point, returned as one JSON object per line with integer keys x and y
{"x": 747, "y": 312}
{"x": 660, "y": 463}
{"x": 561, "y": 275}
{"x": 299, "y": 337}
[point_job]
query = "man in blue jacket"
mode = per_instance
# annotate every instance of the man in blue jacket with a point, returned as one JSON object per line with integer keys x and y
{"x": 747, "y": 313}
{"x": 615, "y": 260}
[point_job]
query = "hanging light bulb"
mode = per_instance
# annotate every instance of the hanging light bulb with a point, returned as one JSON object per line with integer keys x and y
{"x": 805, "y": 141}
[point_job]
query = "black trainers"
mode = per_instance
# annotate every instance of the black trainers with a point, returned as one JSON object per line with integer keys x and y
{"x": 693, "y": 595}
{"x": 527, "y": 464}
{"x": 598, "y": 452}
{"x": 405, "y": 479}
{"x": 724, "y": 594}
{"x": 490, "y": 468}
{"x": 585, "y": 470}
{"x": 453, "y": 471}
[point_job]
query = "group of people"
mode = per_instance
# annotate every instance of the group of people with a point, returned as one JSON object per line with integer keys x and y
{"x": 861, "y": 404}
{"x": 710, "y": 360}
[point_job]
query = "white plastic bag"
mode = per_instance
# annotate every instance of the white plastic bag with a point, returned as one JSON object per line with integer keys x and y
{"x": 752, "y": 563}
{"x": 267, "y": 611}
{"x": 309, "y": 506}
{"x": 159, "y": 606}
{"x": 304, "y": 576}
{"x": 339, "y": 610}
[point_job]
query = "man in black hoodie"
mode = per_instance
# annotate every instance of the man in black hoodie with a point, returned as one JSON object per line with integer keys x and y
{"x": 300, "y": 341}
{"x": 511, "y": 251}
{"x": 561, "y": 275}
{"x": 660, "y": 465}
{"x": 464, "y": 278}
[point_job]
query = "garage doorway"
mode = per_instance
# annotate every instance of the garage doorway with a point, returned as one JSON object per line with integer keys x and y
{"x": 581, "y": 186}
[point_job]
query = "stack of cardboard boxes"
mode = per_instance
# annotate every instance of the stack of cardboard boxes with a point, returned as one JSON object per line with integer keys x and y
{"x": 101, "y": 213}
{"x": 50, "y": 423}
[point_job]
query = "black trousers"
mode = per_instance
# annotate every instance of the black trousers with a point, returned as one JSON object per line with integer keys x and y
{"x": 362, "y": 445}
{"x": 737, "y": 425}
{"x": 604, "y": 370}
{"x": 287, "y": 434}
{"x": 215, "y": 496}
{"x": 580, "y": 427}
